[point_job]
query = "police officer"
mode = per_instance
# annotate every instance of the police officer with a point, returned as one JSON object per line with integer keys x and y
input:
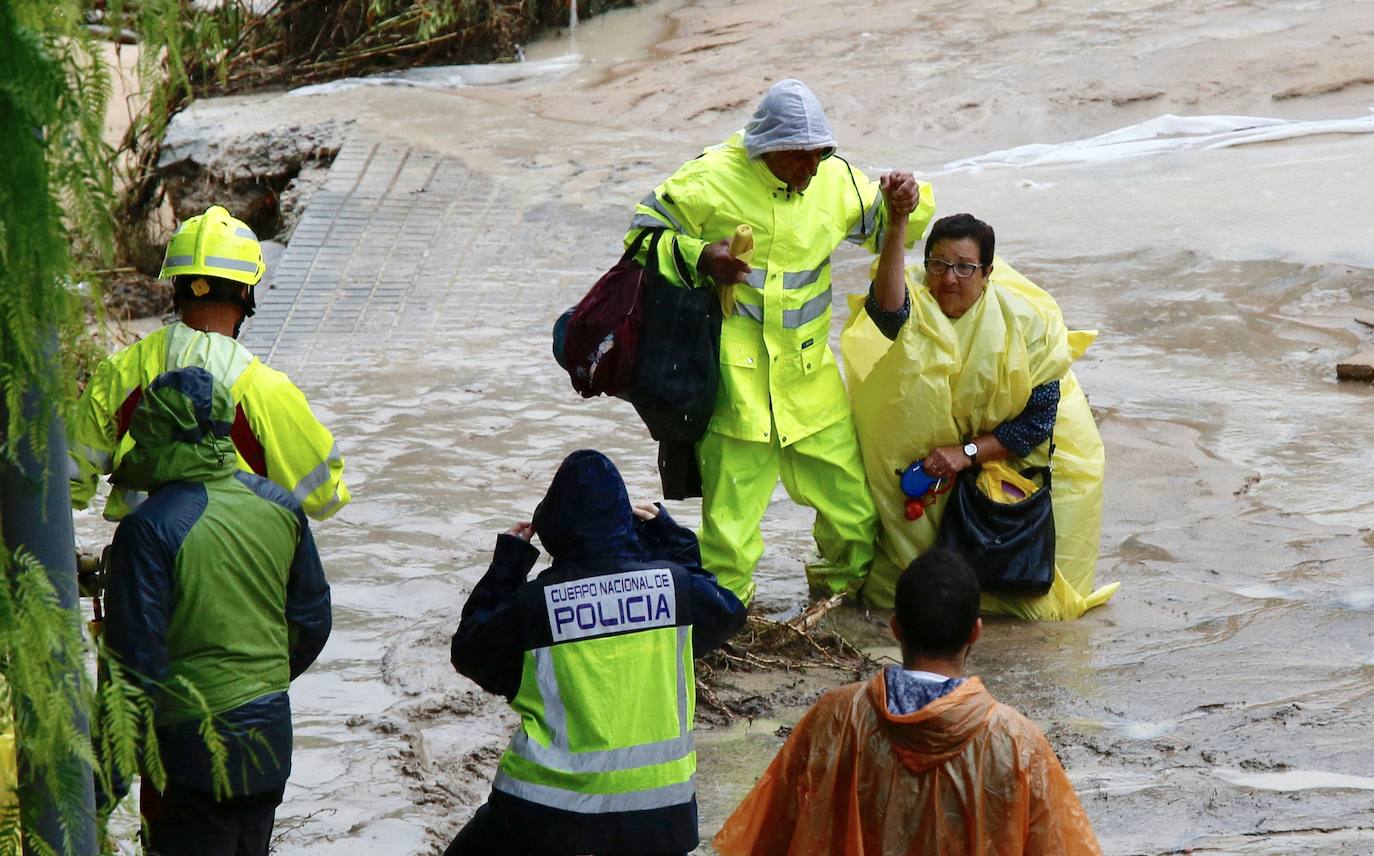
{"x": 595, "y": 655}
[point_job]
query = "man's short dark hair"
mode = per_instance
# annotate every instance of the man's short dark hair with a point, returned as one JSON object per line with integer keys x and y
{"x": 219, "y": 290}
{"x": 958, "y": 226}
{"x": 937, "y": 604}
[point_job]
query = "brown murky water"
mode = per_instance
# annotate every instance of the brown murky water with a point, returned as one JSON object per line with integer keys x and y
{"x": 1222, "y": 701}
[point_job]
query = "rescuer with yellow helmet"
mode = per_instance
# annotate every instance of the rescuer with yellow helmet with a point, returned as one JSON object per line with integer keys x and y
{"x": 214, "y": 262}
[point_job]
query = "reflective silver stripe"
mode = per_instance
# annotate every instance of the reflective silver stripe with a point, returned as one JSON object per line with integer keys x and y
{"x": 644, "y": 221}
{"x": 243, "y": 232}
{"x": 230, "y": 264}
{"x": 100, "y": 460}
{"x": 606, "y": 760}
{"x": 756, "y": 277}
{"x": 311, "y": 481}
{"x": 559, "y": 756}
{"x": 555, "y": 714}
{"x": 651, "y": 201}
{"x": 755, "y": 312}
{"x": 809, "y": 311}
{"x": 334, "y": 502}
{"x": 684, "y": 635}
{"x": 669, "y": 795}
{"x": 178, "y": 261}
{"x": 803, "y": 278}
{"x": 864, "y": 227}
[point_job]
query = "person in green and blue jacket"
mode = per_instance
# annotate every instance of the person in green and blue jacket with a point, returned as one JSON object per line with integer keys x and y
{"x": 216, "y": 601}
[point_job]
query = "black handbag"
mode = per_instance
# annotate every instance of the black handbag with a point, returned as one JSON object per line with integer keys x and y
{"x": 676, "y": 376}
{"x": 678, "y": 368}
{"x": 1009, "y": 545}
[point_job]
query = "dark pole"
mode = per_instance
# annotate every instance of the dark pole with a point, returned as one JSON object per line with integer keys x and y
{"x": 36, "y": 515}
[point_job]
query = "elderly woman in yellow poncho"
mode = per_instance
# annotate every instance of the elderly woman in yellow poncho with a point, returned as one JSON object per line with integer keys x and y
{"x": 960, "y": 361}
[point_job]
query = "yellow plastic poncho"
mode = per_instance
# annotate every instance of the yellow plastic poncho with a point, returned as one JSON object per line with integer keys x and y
{"x": 944, "y": 381}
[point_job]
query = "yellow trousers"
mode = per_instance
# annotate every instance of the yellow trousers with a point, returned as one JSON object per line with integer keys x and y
{"x": 824, "y": 472}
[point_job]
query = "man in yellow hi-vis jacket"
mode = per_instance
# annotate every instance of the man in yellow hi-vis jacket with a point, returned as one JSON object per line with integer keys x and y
{"x": 214, "y": 261}
{"x": 781, "y": 409}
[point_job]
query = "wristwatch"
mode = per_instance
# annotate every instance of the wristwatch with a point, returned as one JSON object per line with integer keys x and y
{"x": 971, "y": 449}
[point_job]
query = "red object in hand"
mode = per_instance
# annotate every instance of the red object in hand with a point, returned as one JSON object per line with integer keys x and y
{"x": 915, "y": 509}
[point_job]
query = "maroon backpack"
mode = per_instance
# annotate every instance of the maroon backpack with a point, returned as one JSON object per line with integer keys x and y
{"x": 601, "y": 341}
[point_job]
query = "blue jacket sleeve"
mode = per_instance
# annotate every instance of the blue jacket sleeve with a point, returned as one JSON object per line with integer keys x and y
{"x": 309, "y": 616}
{"x": 1034, "y": 424}
{"x": 662, "y": 538}
{"x": 488, "y": 645}
{"x": 138, "y": 596}
{"x": 716, "y": 613}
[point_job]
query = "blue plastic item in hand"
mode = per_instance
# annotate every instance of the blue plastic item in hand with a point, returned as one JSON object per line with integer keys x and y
{"x": 920, "y": 489}
{"x": 915, "y": 482}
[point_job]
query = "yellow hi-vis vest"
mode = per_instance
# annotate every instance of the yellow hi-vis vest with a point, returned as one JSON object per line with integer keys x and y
{"x": 606, "y": 721}
{"x": 275, "y": 434}
{"x": 776, "y": 364}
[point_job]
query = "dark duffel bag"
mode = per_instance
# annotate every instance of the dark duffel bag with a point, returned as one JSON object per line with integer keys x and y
{"x": 1009, "y": 545}
{"x": 675, "y": 380}
{"x": 678, "y": 370}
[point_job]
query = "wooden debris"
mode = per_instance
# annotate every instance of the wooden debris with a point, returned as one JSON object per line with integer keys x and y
{"x": 778, "y": 646}
{"x": 1357, "y": 367}
{"x": 812, "y": 615}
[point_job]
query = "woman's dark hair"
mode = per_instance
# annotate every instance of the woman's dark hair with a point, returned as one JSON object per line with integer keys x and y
{"x": 958, "y": 226}
{"x": 936, "y": 604}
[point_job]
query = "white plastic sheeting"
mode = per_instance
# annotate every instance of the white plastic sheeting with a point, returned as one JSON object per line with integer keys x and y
{"x": 1168, "y": 133}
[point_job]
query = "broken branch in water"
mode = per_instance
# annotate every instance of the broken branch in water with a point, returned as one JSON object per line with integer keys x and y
{"x": 778, "y": 646}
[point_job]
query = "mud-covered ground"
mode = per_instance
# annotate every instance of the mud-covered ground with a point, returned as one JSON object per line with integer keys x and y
{"x": 1221, "y": 702}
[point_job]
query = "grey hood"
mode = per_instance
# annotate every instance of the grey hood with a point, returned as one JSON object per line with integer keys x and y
{"x": 789, "y": 118}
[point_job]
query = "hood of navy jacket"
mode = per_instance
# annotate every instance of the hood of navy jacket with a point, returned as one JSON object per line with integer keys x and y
{"x": 181, "y": 427}
{"x": 586, "y": 513}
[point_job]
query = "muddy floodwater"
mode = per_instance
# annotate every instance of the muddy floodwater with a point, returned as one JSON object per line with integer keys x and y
{"x": 1223, "y": 702}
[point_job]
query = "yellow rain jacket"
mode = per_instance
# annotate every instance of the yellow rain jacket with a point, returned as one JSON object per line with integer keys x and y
{"x": 9, "y": 777}
{"x": 775, "y": 359}
{"x": 943, "y": 382}
{"x": 275, "y": 433}
{"x": 962, "y": 775}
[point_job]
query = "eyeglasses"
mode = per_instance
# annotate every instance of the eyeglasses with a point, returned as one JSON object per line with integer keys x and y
{"x": 963, "y": 270}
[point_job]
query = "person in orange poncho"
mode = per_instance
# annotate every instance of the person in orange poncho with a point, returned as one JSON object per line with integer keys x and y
{"x": 918, "y": 760}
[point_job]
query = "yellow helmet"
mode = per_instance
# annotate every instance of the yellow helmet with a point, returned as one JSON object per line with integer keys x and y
{"x": 214, "y": 244}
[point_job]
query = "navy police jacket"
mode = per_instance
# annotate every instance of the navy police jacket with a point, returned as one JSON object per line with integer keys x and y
{"x": 641, "y": 576}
